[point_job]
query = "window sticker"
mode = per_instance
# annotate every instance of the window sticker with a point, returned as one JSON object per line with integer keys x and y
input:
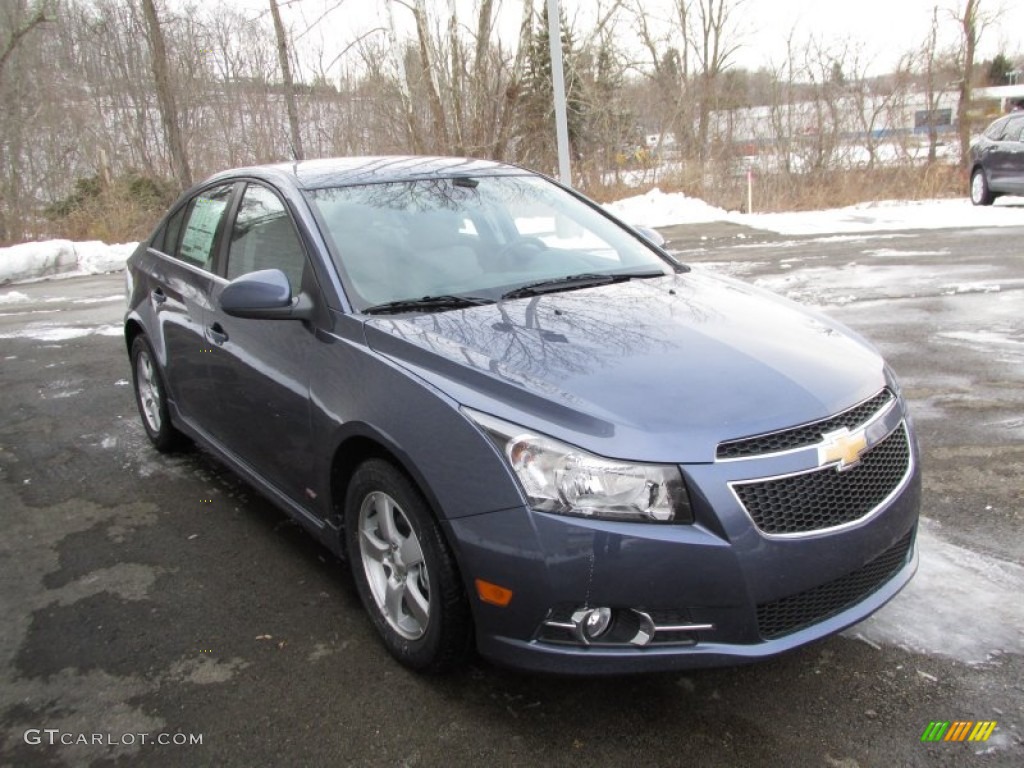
{"x": 197, "y": 243}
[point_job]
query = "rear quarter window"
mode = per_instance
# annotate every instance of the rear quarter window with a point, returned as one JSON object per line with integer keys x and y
{"x": 166, "y": 238}
{"x": 1015, "y": 130}
{"x": 995, "y": 131}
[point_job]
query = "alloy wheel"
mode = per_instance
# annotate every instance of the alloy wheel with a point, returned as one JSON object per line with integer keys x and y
{"x": 149, "y": 391}
{"x": 395, "y": 569}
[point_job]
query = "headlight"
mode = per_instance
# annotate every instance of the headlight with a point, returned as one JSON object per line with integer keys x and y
{"x": 561, "y": 478}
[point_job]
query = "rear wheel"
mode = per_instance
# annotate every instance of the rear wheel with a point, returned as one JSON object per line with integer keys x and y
{"x": 151, "y": 397}
{"x": 980, "y": 192}
{"x": 406, "y": 576}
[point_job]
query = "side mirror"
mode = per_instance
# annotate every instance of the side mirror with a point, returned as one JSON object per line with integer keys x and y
{"x": 652, "y": 235}
{"x": 264, "y": 295}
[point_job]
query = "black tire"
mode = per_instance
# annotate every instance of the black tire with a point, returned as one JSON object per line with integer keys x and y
{"x": 417, "y": 575}
{"x": 151, "y": 398}
{"x": 980, "y": 192}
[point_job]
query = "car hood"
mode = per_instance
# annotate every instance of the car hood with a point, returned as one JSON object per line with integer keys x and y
{"x": 649, "y": 370}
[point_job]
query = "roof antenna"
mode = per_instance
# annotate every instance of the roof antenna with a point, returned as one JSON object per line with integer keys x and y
{"x": 295, "y": 156}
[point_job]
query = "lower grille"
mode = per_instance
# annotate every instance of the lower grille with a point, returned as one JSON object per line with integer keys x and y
{"x": 795, "y": 612}
{"x": 826, "y": 498}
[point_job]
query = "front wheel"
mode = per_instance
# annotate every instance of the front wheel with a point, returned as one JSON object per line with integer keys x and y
{"x": 980, "y": 192}
{"x": 406, "y": 576}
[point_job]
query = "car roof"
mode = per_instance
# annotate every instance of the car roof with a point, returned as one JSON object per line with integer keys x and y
{"x": 346, "y": 171}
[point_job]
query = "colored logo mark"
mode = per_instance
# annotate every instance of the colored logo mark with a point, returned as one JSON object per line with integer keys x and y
{"x": 843, "y": 446}
{"x": 958, "y": 730}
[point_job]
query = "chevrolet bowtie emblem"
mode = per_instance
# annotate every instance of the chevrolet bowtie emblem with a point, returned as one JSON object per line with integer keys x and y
{"x": 843, "y": 446}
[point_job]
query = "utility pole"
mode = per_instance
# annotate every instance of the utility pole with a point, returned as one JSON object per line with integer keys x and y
{"x": 558, "y": 81}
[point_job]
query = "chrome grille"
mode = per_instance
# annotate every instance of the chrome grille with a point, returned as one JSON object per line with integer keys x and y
{"x": 803, "y": 609}
{"x": 804, "y": 435}
{"x": 826, "y": 498}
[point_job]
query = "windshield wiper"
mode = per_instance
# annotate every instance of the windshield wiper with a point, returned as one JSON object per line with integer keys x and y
{"x": 427, "y": 304}
{"x": 569, "y": 282}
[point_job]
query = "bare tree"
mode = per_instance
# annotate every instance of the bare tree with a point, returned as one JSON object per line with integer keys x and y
{"x": 22, "y": 31}
{"x": 165, "y": 96}
{"x": 289, "y": 83}
{"x": 714, "y": 46}
{"x": 968, "y": 21}
{"x": 929, "y": 52}
{"x": 510, "y": 94}
{"x": 426, "y": 73}
{"x": 971, "y": 20}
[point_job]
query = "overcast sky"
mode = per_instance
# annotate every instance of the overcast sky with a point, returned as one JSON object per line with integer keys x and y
{"x": 886, "y": 28}
{"x": 882, "y": 29}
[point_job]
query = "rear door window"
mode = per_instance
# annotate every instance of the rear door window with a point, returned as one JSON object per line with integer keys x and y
{"x": 203, "y": 223}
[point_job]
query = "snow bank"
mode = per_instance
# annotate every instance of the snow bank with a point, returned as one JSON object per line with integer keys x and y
{"x": 657, "y": 209}
{"x": 30, "y": 261}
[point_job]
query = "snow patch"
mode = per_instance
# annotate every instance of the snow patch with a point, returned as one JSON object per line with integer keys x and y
{"x": 885, "y": 252}
{"x": 823, "y": 286}
{"x": 61, "y": 394}
{"x": 891, "y": 215}
{"x": 62, "y": 332}
{"x": 12, "y": 296}
{"x": 995, "y": 337}
{"x": 961, "y": 604}
{"x": 859, "y": 238}
{"x": 99, "y": 299}
{"x": 974, "y": 288}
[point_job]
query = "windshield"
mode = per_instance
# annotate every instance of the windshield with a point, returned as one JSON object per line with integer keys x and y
{"x": 478, "y": 237}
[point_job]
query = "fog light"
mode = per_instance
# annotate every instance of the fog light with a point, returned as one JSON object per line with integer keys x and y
{"x": 591, "y": 623}
{"x": 597, "y": 622}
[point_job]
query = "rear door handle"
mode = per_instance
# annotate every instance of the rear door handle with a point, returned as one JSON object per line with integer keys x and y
{"x": 159, "y": 296}
{"x": 217, "y": 333}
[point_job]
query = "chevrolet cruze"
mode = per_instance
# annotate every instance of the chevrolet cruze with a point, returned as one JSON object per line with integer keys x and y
{"x": 527, "y": 428}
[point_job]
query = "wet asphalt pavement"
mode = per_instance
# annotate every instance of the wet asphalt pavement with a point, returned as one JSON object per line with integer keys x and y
{"x": 142, "y": 594}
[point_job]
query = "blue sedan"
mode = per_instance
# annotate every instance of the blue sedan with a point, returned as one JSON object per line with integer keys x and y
{"x": 526, "y": 427}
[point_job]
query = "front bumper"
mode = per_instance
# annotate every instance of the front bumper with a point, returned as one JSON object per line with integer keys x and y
{"x": 538, "y": 657}
{"x": 757, "y": 595}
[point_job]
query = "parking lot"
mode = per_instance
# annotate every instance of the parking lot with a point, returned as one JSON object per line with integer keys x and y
{"x": 151, "y": 595}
